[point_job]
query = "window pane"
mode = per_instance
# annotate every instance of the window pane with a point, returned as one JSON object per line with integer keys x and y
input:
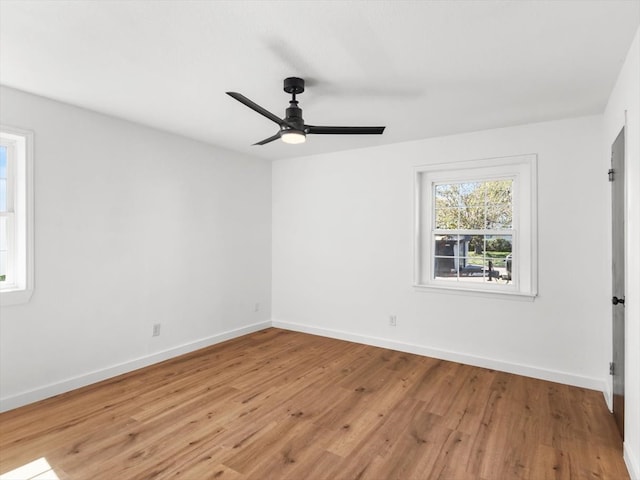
{"x": 472, "y": 194}
{"x": 447, "y": 218}
{"x": 472, "y": 218}
{"x": 3, "y": 195}
{"x": 447, "y": 250}
{"x": 3, "y": 246}
{"x": 499, "y": 204}
{"x": 499, "y": 217}
{"x": 498, "y": 246}
{"x": 3, "y": 265}
{"x": 476, "y": 245}
{"x": 447, "y": 195}
{"x": 3, "y": 234}
{"x": 3, "y": 162}
{"x": 444, "y": 267}
{"x": 499, "y": 191}
{"x": 447, "y": 246}
{"x": 472, "y": 267}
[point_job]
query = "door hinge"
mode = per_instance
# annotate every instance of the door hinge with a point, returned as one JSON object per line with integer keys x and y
{"x": 612, "y": 368}
{"x": 610, "y": 173}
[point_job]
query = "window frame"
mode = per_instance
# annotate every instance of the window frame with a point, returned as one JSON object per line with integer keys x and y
{"x": 522, "y": 169}
{"x": 20, "y": 216}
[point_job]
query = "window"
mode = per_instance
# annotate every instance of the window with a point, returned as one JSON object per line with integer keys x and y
{"x": 476, "y": 226}
{"x": 16, "y": 215}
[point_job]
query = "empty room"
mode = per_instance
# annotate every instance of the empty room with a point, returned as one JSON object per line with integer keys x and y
{"x": 368, "y": 239}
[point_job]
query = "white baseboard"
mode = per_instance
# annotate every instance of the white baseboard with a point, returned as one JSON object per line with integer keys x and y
{"x": 24, "y": 398}
{"x": 632, "y": 461}
{"x": 608, "y": 394}
{"x": 484, "y": 362}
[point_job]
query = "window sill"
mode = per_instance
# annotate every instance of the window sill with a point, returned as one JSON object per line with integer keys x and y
{"x": 15, "y": 296}
{"x": 511, "y": 295}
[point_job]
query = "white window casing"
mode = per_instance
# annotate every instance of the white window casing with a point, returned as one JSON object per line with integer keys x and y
{"x": 18, "y": 217}
{"x": 522, "y": 171}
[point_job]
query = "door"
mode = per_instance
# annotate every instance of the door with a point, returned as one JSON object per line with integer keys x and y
{"x": 618, "y": 264}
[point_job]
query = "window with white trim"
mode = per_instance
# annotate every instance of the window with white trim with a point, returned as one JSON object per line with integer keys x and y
{"x": 16, "y": 215}
{"x": 476, "y": 226}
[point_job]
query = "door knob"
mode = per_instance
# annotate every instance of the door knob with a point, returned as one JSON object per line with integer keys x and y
{"x": 616, "y": 300}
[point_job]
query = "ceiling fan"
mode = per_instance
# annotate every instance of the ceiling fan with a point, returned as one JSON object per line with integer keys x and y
{"x": 292, "y": 127}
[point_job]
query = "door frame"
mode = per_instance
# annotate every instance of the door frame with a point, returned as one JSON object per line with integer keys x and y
{"x": 618, "y": 279}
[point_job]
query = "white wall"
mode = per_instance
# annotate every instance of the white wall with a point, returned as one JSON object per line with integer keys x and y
{"x": 626, "y": 98}
{"x": 343, "y": 254}
{"x": 133, "y": 227}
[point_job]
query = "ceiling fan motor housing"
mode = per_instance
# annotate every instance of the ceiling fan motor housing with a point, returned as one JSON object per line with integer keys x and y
{"x": 294, "y": 117}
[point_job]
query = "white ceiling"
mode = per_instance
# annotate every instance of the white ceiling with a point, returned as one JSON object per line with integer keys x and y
{"x": 422, "y": 68}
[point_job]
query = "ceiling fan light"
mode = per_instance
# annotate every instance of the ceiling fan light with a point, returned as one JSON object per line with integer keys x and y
{"x": 293, "y": 137}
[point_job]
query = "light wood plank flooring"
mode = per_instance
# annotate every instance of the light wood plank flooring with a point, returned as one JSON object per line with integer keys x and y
{"x": 278, "y": 404}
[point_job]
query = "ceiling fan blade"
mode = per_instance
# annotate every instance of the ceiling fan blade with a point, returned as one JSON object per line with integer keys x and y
{"x": 344, "y": 130}
{"x": 257, "y": 108}
{"x": 267, "y": 140}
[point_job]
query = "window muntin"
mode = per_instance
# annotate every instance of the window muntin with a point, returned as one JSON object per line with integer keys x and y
{"x": 476, "y": 226}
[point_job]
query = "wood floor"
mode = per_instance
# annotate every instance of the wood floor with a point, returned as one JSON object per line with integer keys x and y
{"x": 279, "y": 404}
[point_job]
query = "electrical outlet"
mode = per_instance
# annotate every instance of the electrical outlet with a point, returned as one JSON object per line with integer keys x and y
{"x": 156, "y": 329}
{"x": 392, "y": 320}
{"x": 256, "y": 308}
